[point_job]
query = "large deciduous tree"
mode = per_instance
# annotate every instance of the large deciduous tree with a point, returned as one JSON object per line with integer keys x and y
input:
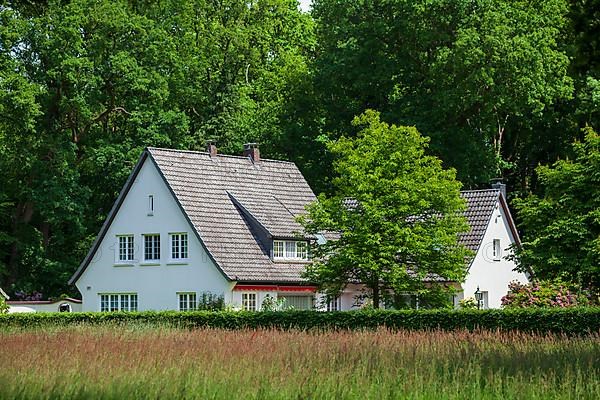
{"x": 85, "y": 85}
{"x": 395, "y": 217}
{"x": 562, "y": 225}
{"x": 467, "y": 73}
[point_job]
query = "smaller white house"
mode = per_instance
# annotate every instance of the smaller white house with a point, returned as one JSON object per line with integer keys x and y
{"x": 60, "y": 305}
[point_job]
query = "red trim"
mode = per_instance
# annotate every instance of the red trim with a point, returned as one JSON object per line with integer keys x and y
{"x": 277, "y": 288}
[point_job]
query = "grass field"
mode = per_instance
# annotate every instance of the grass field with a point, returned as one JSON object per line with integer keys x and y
{"x": 150, "y": 362}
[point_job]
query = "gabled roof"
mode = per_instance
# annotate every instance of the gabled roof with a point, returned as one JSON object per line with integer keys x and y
{"x": 273, "y": 192}
{"x": 221, "y": 196}
{"x": 480, "y": 209}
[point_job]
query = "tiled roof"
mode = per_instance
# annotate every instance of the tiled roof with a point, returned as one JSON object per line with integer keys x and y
{"x": 480, "y": 206}
{"x": 273, "y": 192}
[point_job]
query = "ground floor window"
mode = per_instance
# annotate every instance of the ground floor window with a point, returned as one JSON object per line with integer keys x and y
{"x": 119, "y": 302}
{"x": 298, "y": 302}
{"x": 249, "y": 301}
{"x": 334, "y": 304}
{"x": 187, "y": 301}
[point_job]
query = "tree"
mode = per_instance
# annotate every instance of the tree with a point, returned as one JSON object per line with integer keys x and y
{"x": 473, "y": 75}
{"x": 561, "y": 227}
{"x": 85, "y": 85}
{"x": 395, "y": 215}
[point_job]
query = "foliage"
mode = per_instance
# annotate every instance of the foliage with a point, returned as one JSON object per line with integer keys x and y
{"x": 573, "y": 321}
{"x": 270, "y": 304}
{"x": 548, "y": 294}
{"x": 561, "y": 226}
{"x": 476, "y": 76}
{"x": 211, "y": 302}
{"x": 396, "y": 212}
{"x": 468, "y": 304}
{"x": 85, "y": 85}
{"x": 3, "y": 305}
{"x": 158, "y": 362}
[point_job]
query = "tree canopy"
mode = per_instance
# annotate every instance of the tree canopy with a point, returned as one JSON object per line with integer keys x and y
{"x": 562, "y": 224}
{"x": 395, "y": 215}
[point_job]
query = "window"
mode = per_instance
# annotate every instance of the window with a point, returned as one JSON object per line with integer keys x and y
{"x": 151, "y": 247}
{"x": 187, "y": 301}
{"x": 179, "y": 246}
{"x": 126, "y": 248}
{"x": 496, "y": 249}
{"x": 483, "y": 303}
{"x": 249, "y": 301}
{"x": 151, "y": 204}
{"x": 290, "y": 249}
{"x": 302, "y": 250}
{"x": 278, "y": 249}
{"x": 334, "y": 304}
{"x": 298, "y": 302}
{"x": 118, "y": 302}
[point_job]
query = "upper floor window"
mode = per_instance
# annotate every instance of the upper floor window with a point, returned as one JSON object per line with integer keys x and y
{"x": 151, "y": 204}
{"x": 152, "y": 247}
{"x": 497, "y": 251}
{"x": 179, "y": 246}
{"x": 126, "y": 248}
{"x": 119, "y": 302}
{"x": 290, "y": 249}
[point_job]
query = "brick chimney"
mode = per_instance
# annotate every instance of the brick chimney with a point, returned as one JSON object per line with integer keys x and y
{"x": 211, "y": 148}
{"x": 251, "y": 150}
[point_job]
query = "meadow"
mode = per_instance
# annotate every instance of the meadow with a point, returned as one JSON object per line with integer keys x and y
{"x": 136, "y": 361}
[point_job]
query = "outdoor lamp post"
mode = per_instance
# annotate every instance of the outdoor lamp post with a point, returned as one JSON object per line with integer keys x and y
{"x": 478, "y": 297}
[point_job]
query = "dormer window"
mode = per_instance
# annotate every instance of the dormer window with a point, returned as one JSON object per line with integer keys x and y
{"x": 290, "y": 250}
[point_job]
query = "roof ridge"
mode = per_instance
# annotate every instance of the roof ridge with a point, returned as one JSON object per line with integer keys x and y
{"x": 218, "y": 154}
{"x": 480, "y": 190}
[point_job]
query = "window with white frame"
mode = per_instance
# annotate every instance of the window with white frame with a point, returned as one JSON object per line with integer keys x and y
{"x": 278, "y": 249}
{"x": 334, "y": 304}
{"x": 125, "y": 248}
{"x": 497, "y": 252}
{"x": 152, "y": 247}
{"x": 119, "y": 302}
{"x": 249, "y": 301}
{"x": 179, "y": 246}
{"x": 187, "y": 301}
{"x": 290, "y": 249}
{"x": 151, "y": 204}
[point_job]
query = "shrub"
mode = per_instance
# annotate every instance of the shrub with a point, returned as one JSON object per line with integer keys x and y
{"x": 3, "y": 305}
{"x": 211, "y": 302}
{"x": 572, "y": 321}
{"x": 547, "y": 294}
{"x": 468, "y": 304}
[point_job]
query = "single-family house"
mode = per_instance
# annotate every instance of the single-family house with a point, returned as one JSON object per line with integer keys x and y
{"x": 189, "y": 223}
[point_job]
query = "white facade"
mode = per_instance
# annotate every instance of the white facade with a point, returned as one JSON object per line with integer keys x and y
{"x": 490, "y": 270}
{"x": 157, "y": 284}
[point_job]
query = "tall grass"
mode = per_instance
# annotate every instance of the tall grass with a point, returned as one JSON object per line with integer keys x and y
{"x": 144, "y": 362}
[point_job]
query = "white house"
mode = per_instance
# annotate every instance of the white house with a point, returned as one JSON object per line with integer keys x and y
{"x": 190, "y": 223}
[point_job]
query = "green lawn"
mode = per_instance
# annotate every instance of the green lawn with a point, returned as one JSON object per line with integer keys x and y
{"x": 148, "y": 362}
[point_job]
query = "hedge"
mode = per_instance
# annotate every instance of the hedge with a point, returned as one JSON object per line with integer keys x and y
{"x": 569, "y": 321}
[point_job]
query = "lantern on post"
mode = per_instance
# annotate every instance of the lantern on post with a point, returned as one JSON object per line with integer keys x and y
{"x": 478, "y": 297}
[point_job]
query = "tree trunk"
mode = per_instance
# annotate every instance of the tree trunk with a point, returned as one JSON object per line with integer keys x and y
{"x": 376, "y": 298}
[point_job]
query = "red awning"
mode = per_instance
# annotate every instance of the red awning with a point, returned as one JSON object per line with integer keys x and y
{"x": 277, "y": 288}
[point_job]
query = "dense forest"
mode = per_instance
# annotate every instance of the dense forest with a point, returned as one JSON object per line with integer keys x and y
{"x": 499, "y": 86}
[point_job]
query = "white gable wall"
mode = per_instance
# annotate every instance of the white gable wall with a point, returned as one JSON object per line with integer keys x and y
{"x": 490, "y": 275}
{"x": 156, "y": 285}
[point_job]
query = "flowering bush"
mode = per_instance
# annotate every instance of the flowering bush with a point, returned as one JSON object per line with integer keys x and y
{"x": 469, "y": 303}
{"x": 547, "y": 294}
